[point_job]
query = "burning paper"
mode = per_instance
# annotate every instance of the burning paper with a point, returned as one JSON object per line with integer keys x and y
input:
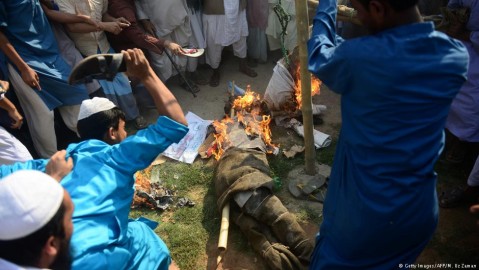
{"x": 187, "y": 149}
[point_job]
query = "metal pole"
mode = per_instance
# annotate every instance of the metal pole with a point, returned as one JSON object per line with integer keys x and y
{"x": 179, "y": 72}
{"x": 306, "y": 107}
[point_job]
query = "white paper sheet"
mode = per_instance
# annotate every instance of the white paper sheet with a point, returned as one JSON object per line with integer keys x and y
{"x": 187, "y": 149}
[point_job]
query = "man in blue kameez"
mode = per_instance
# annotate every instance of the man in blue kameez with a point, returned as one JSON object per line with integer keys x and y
{"x": 101, "y": 183}
{"x": 396, "y": 87}
{"x": 37, "y": 72}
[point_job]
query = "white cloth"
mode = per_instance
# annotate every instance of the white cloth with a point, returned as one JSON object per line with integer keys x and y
{"x": 94, "y": 105}
{"x": 280, "y": 87}
{"x": 235, "y": 24}
{"x": 166, "y": 15}
{"x": 173, "y": 21}
{"x": 274, "y": 29}
{"x": 212, "y": 27}
{"x": 87, "y": 43}
{"x": 39, "y": 118}
{"x": 28, "y": 201}
{"x": 11, "y": 149}
{"x": 217, "y": 28}
{"x": 6, "y": 265}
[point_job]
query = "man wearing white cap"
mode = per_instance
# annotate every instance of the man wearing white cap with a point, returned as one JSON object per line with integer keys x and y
{"x": 101, "y": 184}
{"x": 35, "y": 222}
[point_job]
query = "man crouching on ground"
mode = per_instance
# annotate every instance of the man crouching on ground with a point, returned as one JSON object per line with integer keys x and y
{"x": 101, "y": 183}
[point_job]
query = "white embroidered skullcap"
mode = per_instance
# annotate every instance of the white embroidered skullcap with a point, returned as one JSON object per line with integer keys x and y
{"x": 94, "y": 105}
{"x": 28, "y": 201}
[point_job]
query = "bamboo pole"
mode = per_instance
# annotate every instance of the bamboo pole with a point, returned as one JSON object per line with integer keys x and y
{"x": 223, "y": 239}
{"x": 225, "y": 213}
{"x": 306, "y": 106}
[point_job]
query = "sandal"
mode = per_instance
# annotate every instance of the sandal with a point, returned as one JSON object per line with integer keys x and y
{"x": 97, "y": 66}
{"x": 313, "y": 188}
{"x": 140, "y": 122}
{"x": 215, "y": 78}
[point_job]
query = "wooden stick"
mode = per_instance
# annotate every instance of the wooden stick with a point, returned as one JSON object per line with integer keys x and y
{"x": 225, "y": 214}
{"x": 306, "y": 106}
{"x": 223, "y": 239}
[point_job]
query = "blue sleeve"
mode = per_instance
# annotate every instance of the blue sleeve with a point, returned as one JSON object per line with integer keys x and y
{"x": 326, "y": 58}
{"x": 36, "y": 164}
{"x": 138, "y": 151}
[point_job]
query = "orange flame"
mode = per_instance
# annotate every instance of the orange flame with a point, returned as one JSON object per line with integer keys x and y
{"x": 315, "y": 87}
{"x": 247, "y": 113}
{"x": 245, "y": 102}
{"x": 221, "y": 136}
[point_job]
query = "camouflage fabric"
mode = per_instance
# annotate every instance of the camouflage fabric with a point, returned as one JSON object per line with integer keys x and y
{"x": 270, "y": 228}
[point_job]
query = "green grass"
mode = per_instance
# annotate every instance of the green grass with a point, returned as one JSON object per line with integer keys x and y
{"x": 192, "y": 233}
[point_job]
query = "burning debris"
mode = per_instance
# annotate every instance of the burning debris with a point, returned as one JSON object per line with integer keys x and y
{"x": 247, "y": 127}
{"x": 283, "y": 93}
{"x": 155, "y": 195}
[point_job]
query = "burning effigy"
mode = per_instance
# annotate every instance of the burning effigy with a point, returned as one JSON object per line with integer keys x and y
{"x": 243, "y": 182}
{"x": 242, "y": 179}
{"x": 283, "y": 95}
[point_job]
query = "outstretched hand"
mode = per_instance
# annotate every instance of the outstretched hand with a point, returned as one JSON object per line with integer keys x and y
{"x": 136, "y": 63}
{"x": 59, "y": 166}
{"x": 174, "y": 47}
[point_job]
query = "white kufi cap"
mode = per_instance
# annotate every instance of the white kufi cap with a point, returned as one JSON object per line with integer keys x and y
{"x": 28, "y": 201}
{"x": 94, "y": 105}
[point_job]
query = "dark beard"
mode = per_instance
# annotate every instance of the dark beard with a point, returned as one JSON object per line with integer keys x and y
{"x": 63, "y": 261}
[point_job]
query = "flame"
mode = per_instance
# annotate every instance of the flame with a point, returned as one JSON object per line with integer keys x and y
{"x": 248, "y": 114}
{"x": 221, "y": 136}
{"x": 142, "y": 182}
{"x": 315, "y": 87}
{"x": 245, "y": 102}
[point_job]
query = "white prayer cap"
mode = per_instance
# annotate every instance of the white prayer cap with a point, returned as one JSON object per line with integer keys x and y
{"x": 94, "y": 105}
{"x": 28, "y": 201}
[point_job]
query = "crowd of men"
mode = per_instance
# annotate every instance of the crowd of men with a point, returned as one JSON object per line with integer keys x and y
{"x": 400, "y": 87}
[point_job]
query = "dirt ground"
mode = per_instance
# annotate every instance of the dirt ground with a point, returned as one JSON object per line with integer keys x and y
{"x": 456, "y": 237}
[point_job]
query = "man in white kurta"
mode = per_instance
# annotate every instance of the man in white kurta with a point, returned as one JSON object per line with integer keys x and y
{"x": 173, "y": 20}
{"x": 224, "y": 24}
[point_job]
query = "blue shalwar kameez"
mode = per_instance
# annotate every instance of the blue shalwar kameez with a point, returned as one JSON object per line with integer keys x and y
{"x": 396, "y": 89}
{"x": 101, "y": 187}
{"x": 28, "y": 30}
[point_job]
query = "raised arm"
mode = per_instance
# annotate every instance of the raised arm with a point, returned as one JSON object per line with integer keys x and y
{"x": 324, "y": 60}
{"x": 165, "y": 101}
{"x": 29, "y": 76}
